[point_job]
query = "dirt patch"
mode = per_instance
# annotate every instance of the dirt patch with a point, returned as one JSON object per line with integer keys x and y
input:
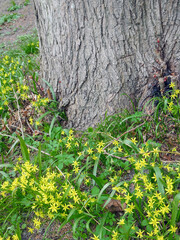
{"x": 24, "y": 24}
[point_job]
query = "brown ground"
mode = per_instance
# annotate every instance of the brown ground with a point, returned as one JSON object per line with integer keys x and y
{"x": 25, "y": 24}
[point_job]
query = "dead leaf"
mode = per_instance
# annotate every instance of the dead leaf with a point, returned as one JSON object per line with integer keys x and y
{"x": 115, "y": 206}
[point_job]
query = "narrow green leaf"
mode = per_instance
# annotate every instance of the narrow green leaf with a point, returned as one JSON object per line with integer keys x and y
{"x": 112, "y": 194}
{"x": 24, "y": 149}
{"x": 102, "y": 190}
{"x": 98, "y": 180}
{"x": 102, "y": 222}
{"x": 50, "y": 87}
{"x": 175, "y": 206}
{"x": 39, "y": 160}
{"x": 6, "y": 165}
{"x": 159, "y": 180}
{"x": 12, "y": 147}
{"x": 49, "y": 226}
{"x": 75, "y": 225}
{"x": 66, "y": 192}
{"x": 5, "y": 175}
{"x": 67, "y": 219}
{"x": 95, "y": 169}
{"x": 87, "y": 225}
{"x": 52, "y": 123}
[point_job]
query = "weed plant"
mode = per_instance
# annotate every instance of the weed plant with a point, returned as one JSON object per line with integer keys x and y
{"x": 109, "y": 182}
{"x": 8, "y": 18}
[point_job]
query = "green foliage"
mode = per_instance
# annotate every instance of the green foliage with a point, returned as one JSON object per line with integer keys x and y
{"x": 6, "y": 18}
{"x": 14, "y": 6}
{"x": 108, "y": 182}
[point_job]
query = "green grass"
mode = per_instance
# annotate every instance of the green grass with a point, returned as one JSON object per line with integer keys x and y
{"x": 49, "y": 174}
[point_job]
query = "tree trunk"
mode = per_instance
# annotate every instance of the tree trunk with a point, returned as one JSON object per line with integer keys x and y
{"x": 93, "y": 51}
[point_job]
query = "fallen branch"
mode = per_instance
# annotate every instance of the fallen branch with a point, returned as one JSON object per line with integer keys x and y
{"x": 123, "y": 135}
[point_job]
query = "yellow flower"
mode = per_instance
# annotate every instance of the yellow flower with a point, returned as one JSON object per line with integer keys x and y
{"x": 115, "y": 142}
{"x": 70, "y": 138}
{"x": 6, "y": 103}
{"x": 4, "y": 185}
{"x": 172, "y": 229}
{"x": 138, "y": 165}
{"x": 80, "y": 153}
{"x": 151, "y": 233}
{"x": 141, "y": 151}
{"x": 174, "y": 150}
{"x": 165, "y": 209}
{"x": 120, "y": 149}
{"x": 95, "y": 237}
{"x": 172, "y": 85}
{"x": 31, "y": 230}
{"x": 90, "y": 151}
{"x": 75, "y": 163}
{"x": 53, "y": 207}
{"x": 71, "y": 131}
{"x": 68, "y": 144}
{"x": 37, "y": 223}
{"x": 99, "y": 149}
{"x": 121, "y": 222}
{"x": 140, "y": 234}
{"x": 37, "y": 123}
{"x": 134, "y": 140}
{"x": 76, "y": 169}
{"x": 160, "y": 237}
{"x": 154, "y": 221}
{"x": 139, "y": 194}
{"x": 149, "y": 186}
{"x": 15, "y": 237}
{"x": 114, "y": 235}
{"x": 101, "y": 144}
{"x": 94, "y": 157}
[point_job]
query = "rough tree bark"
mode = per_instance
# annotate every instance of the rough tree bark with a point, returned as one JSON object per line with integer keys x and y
{"x": 92, "y": 51}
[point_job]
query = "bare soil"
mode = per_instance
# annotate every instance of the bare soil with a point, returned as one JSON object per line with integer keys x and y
{"x": 25, "y": 24}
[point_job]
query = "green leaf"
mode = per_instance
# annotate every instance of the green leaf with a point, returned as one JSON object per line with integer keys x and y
{"x": 102, "y": 222}
{"x": 144, "y": 222}
{"x": 95, "y": 168}
{"x": 51, "y": 89}
{"x": 87, "y": 225}
{"x": 67, "y": 219}
{"x": 175, "y": 206}
{"x": 14, "y": 144}
{"x": 24, "y": 149}
{"x": 5, "y": 175}
{"x": 98, "y": 180}
{"x": 52, "y": 123}
{"x": 50, "y": 225}
{"x": 39, "y": 160}
{"x": 6, "y": 165}
{"x": 112, "y": 194}
{"x": 90, "y": 129}
{"x": 102, "y": 190}
{"x": 75, "y": 225}
{"x": 159, "y": 180}
{"x": 95, "y": 190}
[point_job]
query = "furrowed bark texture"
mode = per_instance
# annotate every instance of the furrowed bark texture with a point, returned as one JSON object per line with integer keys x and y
{"x": 92, "y": 51}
